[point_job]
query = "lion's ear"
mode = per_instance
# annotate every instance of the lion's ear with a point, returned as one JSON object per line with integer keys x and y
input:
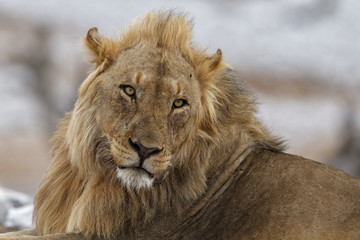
{"x": 215, "y": 60}
{"x": 101, "y": 48}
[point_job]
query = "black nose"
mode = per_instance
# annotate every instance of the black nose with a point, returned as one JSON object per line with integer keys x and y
{"x": 142, "y": 151}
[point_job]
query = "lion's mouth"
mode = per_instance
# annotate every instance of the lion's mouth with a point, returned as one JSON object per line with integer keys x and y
{"x": 151, "y": 175}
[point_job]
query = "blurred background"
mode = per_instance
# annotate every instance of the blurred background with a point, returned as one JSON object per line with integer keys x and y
{"x": 300, "y": 57}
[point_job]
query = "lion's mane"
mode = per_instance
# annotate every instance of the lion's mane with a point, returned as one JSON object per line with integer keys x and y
{"x": 80, "y": 191}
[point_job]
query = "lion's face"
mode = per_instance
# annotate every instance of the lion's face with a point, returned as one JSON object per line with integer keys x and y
{"x": 146, "y": 106}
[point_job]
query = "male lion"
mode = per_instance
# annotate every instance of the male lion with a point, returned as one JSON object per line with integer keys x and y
{"x": 163, "y": 143}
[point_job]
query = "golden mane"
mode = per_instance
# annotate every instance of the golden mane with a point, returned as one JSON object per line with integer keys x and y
{"x": 156, "y": 29}
{"x": 80, "y": 191}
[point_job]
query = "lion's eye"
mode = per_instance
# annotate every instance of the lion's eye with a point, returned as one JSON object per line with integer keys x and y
{"x": 179, "y": 103}
{"x": 130, "y": 91}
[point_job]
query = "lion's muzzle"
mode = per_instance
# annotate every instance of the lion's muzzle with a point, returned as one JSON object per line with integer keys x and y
{"x": 142, "y": 151}
{"x": 139, "y": 165}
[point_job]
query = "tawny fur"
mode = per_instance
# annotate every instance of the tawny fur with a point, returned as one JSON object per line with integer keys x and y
{"x": 81, "y": 191}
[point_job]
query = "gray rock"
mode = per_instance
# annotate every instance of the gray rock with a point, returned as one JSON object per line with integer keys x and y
{"x": 15, "y": 209}
{"x": 3, "y": 210}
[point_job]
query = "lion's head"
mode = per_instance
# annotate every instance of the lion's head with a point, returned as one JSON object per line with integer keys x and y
{"x": 153, "y": 123}
{"x": 146, "y": 106}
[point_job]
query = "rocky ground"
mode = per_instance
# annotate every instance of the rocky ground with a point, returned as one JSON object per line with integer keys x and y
{"x": 15, "y": 210}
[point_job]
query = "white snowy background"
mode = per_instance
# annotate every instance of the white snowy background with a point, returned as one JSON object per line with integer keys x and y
{"x": 300, "y": 57}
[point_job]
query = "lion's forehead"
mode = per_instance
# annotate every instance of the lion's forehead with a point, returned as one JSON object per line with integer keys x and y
{"x": 157, "y": 63}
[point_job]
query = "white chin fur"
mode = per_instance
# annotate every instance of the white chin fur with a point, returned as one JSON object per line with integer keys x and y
{"x": 134, "y": 179}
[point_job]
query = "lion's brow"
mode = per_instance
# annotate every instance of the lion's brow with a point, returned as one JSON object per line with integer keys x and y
{"x": 175, "y": 88}
{"x": 179, "y": 88}
{"x": 139, "y": 76}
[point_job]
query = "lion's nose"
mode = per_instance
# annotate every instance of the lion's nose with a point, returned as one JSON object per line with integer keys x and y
{"x": 142, "y": 151}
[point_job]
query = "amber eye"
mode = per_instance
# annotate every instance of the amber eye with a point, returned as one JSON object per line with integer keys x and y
{"x": 130, "y": 91}
{"x": 179, "y": 103}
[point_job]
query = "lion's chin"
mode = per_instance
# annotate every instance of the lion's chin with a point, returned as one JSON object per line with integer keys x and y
{"x": 134, "y": 178}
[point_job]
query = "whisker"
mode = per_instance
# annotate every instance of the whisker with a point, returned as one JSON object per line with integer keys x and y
{"x": 166, "y": 159}
{"x": 121, "y": 150}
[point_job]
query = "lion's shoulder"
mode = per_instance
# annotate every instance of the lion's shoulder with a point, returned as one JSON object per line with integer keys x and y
{"x": 282, "y": 192}
{"x": 280, "y": 173}
{"x": 287, "y": 166}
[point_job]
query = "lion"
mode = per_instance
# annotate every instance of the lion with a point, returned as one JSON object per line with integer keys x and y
{"x": 164, "y": 143}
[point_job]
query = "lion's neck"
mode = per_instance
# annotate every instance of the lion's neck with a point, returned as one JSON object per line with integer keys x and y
{"x": 221, "y": 176}
{"x": 222, "y": 160}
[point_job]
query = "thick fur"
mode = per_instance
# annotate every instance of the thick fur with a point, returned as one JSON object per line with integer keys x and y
{"x": 81, "y": 191}
{"x": 94, "y": 187}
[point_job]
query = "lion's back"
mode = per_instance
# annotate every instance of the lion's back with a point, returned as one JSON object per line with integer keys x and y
{"x": 281, "y": 196}
{"x": 295, "y": 196}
